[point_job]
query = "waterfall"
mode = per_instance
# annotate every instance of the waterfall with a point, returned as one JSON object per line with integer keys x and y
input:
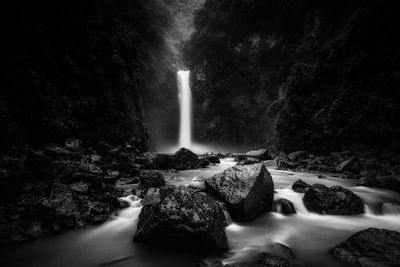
{"x": 185, "y": 95}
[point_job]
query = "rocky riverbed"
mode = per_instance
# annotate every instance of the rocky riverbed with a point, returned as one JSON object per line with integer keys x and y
{"x": 202, "y": 216}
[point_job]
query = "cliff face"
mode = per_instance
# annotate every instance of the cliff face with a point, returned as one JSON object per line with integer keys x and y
{"x": 311, "y": 75}
{"x": 76, "y": 69}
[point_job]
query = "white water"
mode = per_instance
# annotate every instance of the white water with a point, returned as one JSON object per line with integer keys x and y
{"x": 185, "y": 96}
{"x": 311, "y": 236}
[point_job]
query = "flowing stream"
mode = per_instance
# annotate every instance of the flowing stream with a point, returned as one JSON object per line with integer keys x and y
{"x": 310, "y": 236}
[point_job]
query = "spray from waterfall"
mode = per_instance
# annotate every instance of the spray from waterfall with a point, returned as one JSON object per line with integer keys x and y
{"x": 185, "y": 96}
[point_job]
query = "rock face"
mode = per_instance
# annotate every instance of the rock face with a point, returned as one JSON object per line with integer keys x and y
{"x": 334, "y": 200}
{"x": 248, "y": 190}
{"x": 283, "y": 206}
{"x": 185, "y": 159}
{"x": 370, "y": 248}
{"x": 151, "y": 179}
{"x": 183, "y": 218}
{"x": 213, "y": 159}
{"x": 261, "y": 154}
{"x": 300, "y": 186}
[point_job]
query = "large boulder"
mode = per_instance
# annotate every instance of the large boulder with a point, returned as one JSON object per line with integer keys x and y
{"x": 185, "y": 159}
{"x": 213, "y": 159}
{"x": 371, "y": 247}
{"x": 283, "y": 206}
{"x": 182, "y": 218}
{"x": 333, "y": 200}
{"x": 248, "y": 190}
{"x": 297, "y": 155}
{"x": 300, "y": 186}
{"x": 352, "y": 164}
{"x": 390, "y": 182}
{"x": 151, "y": 179}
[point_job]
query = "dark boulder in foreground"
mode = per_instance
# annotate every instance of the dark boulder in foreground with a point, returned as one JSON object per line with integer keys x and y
{"x": 333, "y": 200}
{"x": 264, "y": 259}
{"x": 248, "y": 190}
{"x": 182, "y": 218}
{"x": 151, "y": 179}
{"x": 283, "y": 206}
{"x": 300, "y": 186}
{"x": 371, "y": 247}
{"x": 185, "y": 159}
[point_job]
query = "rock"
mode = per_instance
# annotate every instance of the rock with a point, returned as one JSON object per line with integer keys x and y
{"x": 249, "y": 161}
{"x": 264, "y": 260}
{"x": 35, "y": 230}
{"x": 334, "y": 200}
{"x": 151, "y": 179}
{"x": 298, "y": 155}
{"x": 248, "y": 190}
{"x": 261, "y": 154}
{"x": 58, "y": 152}
{"x": 185, "y": 159}
{"x": 80, "y": 187}
{"x": 353, "y": 164}
{"x": 279, "y": 249}
{"x": 62, "y": 199}
{"x": 203, "y": 162}
{"x": 283, "y": 206}
{"x": 300, "y": 186}
{"x": 287, "y": 165}
{"x": 198, "y": 183}
{"x": 162, "y": 162}
{"x": 213, "y": 159}
{"x": 183, "y": 218}
{"x": 390, "y": 182}
{"x": 370, "y": 247}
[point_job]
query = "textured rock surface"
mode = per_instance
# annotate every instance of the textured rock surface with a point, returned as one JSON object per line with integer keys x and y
{"x": 371, "y": 248}
{"x": 333, "y": 200}
{"x": 182, "y": 218}
{"x": 264, "y": 260}
{"x": 300, "y": 186}
{"x": 283, "y": 206}
{"x": 185, "y": 159}
{"x": 248, "y": 190}
{"x": 151, "y": 179}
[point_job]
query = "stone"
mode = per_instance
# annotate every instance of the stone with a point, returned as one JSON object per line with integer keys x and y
{"x": 35, "y": 230}
{"x": 333, "y": 200}
{"x": 203, "y": 162}
{"x": 185, "y": 159}
{"x": 297, "y": 155}
{"x": 300, "y": 186}
{"x": 371, "y": 247}
{"x": 248, "y": 190}
{"x": 182, "y": 218}
{"x": 261, "y": 154}
{"x": 62, "y": 199}
{"x": 287, "y": 165}
{"x": 151, "y": 179}
{"x": 353, "y": 164}
{"x": 213, "y": 159}
{"x": 198, "y": 183}
{"x": 283, "y": 206}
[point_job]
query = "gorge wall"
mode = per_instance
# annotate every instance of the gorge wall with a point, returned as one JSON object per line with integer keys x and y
{"x": 313, "y": 75}
{"x": 78, "y": 69}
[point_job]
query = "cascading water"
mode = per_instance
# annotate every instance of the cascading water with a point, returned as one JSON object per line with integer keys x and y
{"x": 185, "y": 95}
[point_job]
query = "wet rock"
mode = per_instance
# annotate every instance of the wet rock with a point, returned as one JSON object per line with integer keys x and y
{"x": 162, "y": 162}
{"x": 279, "y": 249}
{"x": 203, "y": 162}
{"x": 62, "y": 199}
{"x": 249, "y": 161}
{"x": 151, "y": 179}
{"x": 283, "y": 206}
{"x": 182, "y": 218}
{"x": 264, "y": 259}
{"x": 300, "y": 186}
{"x": 185, "y": 159}
{"x": 333, "y": 200}
{"x": 213, "y": 159}
{"x": 297, "y": 155}
{"x": 353, "y": 164}
{"x": 261, "y": 154}
{"x": 287, "y": 165}
{"x": 389, "y": 182}
{"x": 80, "y": 187}
{"x": 370, "y": 247}
{"x": 248, "y": 190}
{"x": 35, "y": 230}
{"x": 198, "y": 183}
